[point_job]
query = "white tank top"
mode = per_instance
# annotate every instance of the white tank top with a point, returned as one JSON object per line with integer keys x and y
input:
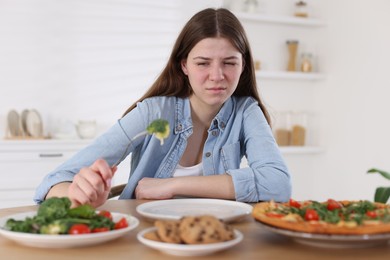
{"x": 196, "y": 170}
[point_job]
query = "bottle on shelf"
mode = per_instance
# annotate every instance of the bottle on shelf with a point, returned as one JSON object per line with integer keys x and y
{"x": 292, "y": 46}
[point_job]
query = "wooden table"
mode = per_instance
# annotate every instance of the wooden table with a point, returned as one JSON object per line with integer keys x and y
{"x": 258, "y": 243}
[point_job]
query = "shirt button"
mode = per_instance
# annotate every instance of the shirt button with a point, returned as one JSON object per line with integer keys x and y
{"x": 208, "y": 154}
{"x": 214, "y": 133}
{"x": 179, "y": 127}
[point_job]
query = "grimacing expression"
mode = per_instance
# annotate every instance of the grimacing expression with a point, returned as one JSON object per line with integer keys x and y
{"x": 213, "y": 67}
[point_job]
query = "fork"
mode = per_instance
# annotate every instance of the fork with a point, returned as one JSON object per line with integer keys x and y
{"x": 127, "y": 148}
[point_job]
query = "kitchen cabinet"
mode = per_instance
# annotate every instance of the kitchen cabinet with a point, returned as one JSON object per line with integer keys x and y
{"x": 24, "y": 163}
{"x": 282, "y": 28}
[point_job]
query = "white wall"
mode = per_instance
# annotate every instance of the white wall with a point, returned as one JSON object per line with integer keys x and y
{"x": 350, "y": 106}
{"x": 81, "y": 59}
{"x": 353, "y": 101}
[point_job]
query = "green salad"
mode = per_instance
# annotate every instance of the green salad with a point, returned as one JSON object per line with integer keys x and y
{"x": 54, "y": 216}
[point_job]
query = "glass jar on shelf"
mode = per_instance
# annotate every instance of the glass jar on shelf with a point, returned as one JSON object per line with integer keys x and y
{"x": 306, "y": 62}
{"x": 257, "y": 64}
{"x": 283, "y": 128}
{"x": 298, "y": 128}
{"x": 250, "y": 6}
{"x": 301, "y": 9}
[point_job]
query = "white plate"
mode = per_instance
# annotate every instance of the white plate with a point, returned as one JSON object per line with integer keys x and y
{"x": 188, "y": 250}
{"x": 175, "y": 209}
{"x": 23, "y": 119}
{"x": 34, "y": 123}
{"x": 65, "y": 241}
{"x": 14, "y": 123}
{"x": 333, "y": 241}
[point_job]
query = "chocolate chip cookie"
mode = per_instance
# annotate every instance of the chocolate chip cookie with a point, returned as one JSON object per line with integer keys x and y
{"x": 204, "y": 230}
{"x": 168, "y": 230}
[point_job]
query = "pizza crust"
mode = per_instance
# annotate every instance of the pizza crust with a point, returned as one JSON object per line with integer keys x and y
{"x": 318, "y": 227}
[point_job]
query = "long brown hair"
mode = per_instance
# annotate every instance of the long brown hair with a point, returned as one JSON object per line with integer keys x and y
{"x": 208, "y": 23}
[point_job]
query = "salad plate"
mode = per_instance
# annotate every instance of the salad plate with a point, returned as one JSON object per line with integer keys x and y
{"x": 64, "y": 241}
{"x": 175, "y": 209}
{"x": 185, "y": 249}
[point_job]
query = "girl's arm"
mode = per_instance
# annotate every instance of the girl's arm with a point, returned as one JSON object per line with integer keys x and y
{"x": 214, "y": 186}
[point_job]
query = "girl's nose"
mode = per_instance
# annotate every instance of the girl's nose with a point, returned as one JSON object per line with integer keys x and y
{"x": 216, "y": 73}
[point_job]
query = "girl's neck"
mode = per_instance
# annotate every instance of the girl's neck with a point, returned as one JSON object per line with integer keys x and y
{"x": 202, "y": 114}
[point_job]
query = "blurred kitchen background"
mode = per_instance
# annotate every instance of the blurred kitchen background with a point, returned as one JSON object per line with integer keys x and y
{"x": 88, "y": 60}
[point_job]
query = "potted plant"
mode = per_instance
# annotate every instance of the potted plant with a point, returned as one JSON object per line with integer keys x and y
{"x": 382, "y": 194}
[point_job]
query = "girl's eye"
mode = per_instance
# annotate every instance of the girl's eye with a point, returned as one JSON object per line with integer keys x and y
{"x": 202, "y": 64}
{"x": 230, "y": 63}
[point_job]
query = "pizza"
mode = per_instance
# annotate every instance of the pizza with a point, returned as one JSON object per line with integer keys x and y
{"x": 329, "y": 217}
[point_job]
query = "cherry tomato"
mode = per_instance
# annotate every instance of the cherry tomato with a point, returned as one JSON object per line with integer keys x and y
{"x": 311, "y": 214}
{"x": 332, "y": 204}
{"x": 371, "y": 214}
{"x": 295, "y": 204}
{"x": 77, "y": 229}
{"x": 106, "y": 214}
{"x": 100, "y": 229}
{"x": 122, "y": 223}
{"x": 274, "y": 215}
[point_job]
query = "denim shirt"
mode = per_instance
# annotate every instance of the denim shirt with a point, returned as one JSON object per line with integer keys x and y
{"x": 239, "y": 129}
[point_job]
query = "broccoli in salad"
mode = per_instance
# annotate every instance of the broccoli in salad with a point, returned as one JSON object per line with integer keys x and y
{"x": 160, "y": 128}
{"x": 55, "y": 216}
{"x": 54, "y": 208}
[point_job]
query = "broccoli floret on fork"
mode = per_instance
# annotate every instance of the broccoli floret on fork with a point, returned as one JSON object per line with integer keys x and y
{"x": 160, "y": 129}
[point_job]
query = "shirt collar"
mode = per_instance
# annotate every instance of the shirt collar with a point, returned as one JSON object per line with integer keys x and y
{"x": 223, "y": 115}
{"x": 183, "y": 115}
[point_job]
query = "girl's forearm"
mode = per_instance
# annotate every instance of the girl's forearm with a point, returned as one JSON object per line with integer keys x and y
{"x": 58, "y": 190}
{"x": 214, "y": 186}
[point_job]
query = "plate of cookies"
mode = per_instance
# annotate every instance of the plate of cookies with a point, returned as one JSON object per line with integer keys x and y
{"x": 190, "y": 236}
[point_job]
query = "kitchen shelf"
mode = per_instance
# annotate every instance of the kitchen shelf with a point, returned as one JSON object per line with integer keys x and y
{"x": 285, "y": 75}
{"x": 281, "y": 19}
{"x": 301, "y": 149}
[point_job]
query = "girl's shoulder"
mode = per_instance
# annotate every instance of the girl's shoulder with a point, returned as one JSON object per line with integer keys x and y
{"x": 244, "y": 101}
{"x": 160, "y": 101}
{"x": 161, "y": 104}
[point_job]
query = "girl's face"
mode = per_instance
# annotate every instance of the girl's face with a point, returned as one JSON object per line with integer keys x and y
{"x": 213, "y": 68}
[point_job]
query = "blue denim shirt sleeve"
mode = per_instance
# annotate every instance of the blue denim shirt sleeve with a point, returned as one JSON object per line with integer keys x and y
{"x": 109, "y": 146}
{"x": 102, "y": 147}
{"x": 266, "y": 177}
